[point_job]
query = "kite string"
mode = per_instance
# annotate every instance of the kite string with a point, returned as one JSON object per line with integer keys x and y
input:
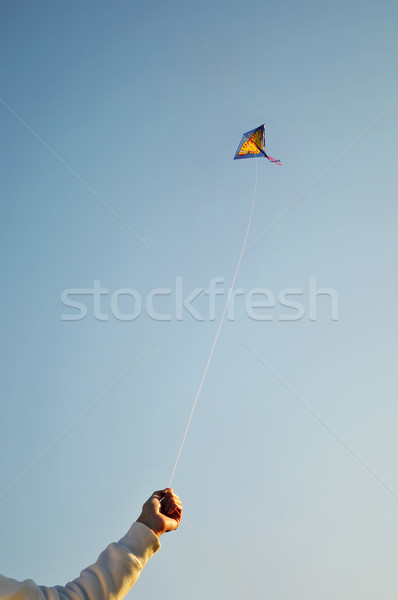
{"x": 218, "y": 330}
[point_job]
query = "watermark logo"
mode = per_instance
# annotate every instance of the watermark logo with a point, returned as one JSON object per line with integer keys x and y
{"x": 168, "y": 304}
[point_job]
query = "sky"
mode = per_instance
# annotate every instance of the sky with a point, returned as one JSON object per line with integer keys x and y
{"x": 119, "y": 122}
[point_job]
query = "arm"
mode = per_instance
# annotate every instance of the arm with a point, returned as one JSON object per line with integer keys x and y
{"x": 118, "y": 566}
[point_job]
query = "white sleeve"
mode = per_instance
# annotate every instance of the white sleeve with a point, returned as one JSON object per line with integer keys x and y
{"x": 110, "y": 578}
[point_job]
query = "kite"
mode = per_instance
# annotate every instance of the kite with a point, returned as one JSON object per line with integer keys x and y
{"x": 252, "y": 144}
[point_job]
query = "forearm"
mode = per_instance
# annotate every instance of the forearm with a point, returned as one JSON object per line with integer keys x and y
{"x": 111, "y": 577}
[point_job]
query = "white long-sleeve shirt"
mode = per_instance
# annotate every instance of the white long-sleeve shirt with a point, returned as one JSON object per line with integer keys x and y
{"x": 110, "y": 578}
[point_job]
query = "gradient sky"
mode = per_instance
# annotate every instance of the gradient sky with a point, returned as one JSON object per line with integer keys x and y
{"x": 289, "y": 469}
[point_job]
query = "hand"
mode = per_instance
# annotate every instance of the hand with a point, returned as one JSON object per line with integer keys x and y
{"x": 161, "y": 512}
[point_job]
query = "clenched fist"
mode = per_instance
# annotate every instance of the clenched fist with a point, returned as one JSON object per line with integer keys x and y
{"x": 161, "y": 512}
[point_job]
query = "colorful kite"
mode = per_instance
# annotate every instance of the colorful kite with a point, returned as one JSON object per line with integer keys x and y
{"x": 252, "y": 144}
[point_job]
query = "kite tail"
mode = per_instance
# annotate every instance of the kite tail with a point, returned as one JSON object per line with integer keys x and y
{"x": 218, "y": 329}
{"x": 276, "y": 161}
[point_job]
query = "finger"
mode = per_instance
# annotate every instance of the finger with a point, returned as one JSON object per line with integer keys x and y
{"x": 159, "y": 494}
{"x": 177, "y": 511}
{"x": 170, "y": 493}
{"x": 166, "y": 506}
{"x": 172, "y": 509}
{"x": 170, "y": 506}
{"x": 175, "y": 502}
{"x": 174, "y": 495}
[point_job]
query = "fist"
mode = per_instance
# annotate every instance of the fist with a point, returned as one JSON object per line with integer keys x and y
{"x": 162, "y": 512}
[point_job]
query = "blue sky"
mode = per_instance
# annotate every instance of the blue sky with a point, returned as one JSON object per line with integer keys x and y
{"x": 145, "y": 104}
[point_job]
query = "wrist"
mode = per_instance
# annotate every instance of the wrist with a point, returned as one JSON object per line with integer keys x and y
{"x": 151, "y": 524}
